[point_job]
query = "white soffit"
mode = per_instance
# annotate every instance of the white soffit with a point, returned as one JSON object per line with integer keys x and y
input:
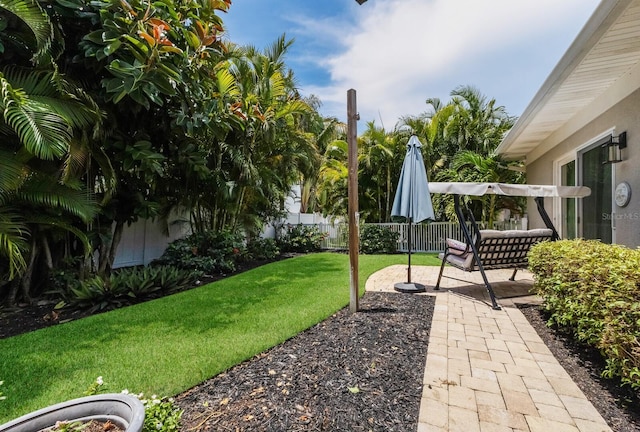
{"x": 607, "y": 49}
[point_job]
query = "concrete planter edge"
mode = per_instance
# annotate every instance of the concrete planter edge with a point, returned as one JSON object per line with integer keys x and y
{"x": 126, "y": 411}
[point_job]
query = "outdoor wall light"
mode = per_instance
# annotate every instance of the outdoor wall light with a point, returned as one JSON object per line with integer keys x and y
{"x": 613, "y": 148}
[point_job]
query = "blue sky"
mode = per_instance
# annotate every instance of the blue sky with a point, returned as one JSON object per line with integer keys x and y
{"x": 397, "y": 53}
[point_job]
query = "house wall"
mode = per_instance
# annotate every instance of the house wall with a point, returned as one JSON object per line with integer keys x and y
{"x": 624, "y": 116}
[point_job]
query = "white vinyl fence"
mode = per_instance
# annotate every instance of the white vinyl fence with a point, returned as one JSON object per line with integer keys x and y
{"x": 427, "y": 237}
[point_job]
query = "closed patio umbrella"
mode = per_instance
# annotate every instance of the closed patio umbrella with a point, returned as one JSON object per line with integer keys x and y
{"x": 412, "y": 201}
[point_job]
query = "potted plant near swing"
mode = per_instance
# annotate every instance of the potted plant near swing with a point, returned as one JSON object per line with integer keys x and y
{"x": 117, "y": 411}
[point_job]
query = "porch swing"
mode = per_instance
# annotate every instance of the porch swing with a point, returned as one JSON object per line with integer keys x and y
{"x": 488, "y": 249}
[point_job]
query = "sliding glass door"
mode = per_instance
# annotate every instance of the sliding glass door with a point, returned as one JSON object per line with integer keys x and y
{"x": 568, "y": 206}
{"x": 596, "y": 222}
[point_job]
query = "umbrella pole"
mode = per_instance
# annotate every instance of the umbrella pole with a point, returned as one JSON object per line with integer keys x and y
{"x": 408, "y": 286}
{"x": 409, "y": 246}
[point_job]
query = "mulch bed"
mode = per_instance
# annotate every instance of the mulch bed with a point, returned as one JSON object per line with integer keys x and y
{"x": 619, "y": 406}
{"x": 352, "y": 372}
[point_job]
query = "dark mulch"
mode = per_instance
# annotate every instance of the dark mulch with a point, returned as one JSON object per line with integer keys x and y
{"x": 352, "y": 372}
{"x": 349, "y": 373}
{"x": 620, "y": 407}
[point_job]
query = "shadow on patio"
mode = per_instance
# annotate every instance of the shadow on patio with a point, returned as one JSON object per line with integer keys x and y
{"x": 509, "y": 293}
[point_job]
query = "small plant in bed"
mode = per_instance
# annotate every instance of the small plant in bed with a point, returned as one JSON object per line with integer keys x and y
{"x": 160, "y": 413}
{"x": 126, "y": 286}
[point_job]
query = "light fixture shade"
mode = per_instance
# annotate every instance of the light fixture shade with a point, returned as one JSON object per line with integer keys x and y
{"x": 613, "y": 148}
{"x": 361, "y": 1}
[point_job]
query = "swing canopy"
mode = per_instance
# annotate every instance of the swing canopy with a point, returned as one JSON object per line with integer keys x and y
{"x": 527, "y": 190}
{"x": 488, "y": 249}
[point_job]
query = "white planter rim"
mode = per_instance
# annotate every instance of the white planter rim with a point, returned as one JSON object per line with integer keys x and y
{"x": 126, "y": 411}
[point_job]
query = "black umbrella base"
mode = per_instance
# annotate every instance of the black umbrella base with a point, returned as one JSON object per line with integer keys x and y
{"x": 409, "y": 287}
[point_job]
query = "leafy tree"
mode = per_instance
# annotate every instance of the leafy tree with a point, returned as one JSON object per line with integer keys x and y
{"x": 469, "y": 166}
{"x": 323, "y": 130}
{"x": 158, "y": 81}
{"x": 477, "y": 124}
{"x": 333, "y": 181}
{"x": 381, "y": 156}
{"x": 254, "y": 162}
{"x": 461, "y": 137}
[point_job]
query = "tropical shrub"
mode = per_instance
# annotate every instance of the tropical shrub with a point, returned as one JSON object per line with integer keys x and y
{"x": 142, "y": 282}
{"x": 64, "y": 275}
{"x": 301, "y": 238}
{"x": 96, "y": 294}
{"x": 594, "y": 290}
{"x": 263, "y": 249}
{"x": 125, "y": 286}
{"x": 210, "y": 252}
{"x": 378, "y": 239}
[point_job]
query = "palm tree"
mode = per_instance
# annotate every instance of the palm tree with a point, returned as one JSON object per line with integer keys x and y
{"x": 333, "y": 180}
{"x": 256, "y": 145}
{"x": 265, "y": 88}
{"x": 477, "y": 124}
{"x": 381, "y": 155}
{"x": 430, "y": 128}
{"x": 41, "y": 114}
{"x": 323, "y": 131}
{"x": 469, "y": 166}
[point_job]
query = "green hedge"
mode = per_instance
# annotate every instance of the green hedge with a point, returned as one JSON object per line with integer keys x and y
{"x": 300, "y": 238}
{"x": 594, "y": 289}
{"x": 377, "y": 239}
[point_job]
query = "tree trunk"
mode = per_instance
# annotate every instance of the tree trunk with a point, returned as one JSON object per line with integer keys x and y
{"x": 47, "y": 252}
{"x": 28, "y": 274}
{"x": 107, "y": 251}
{"x": 236, "y": 213}
{"x": 14, "y": 284}
{"x": 102, "y": 258}
{"x": 388, "y": 211}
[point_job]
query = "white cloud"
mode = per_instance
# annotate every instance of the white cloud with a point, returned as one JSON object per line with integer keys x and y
{"x": 399, "y": 51}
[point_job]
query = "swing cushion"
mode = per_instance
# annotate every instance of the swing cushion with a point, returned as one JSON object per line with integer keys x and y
{"x": 457, "y": 247}
{"x": 496, "y": 249}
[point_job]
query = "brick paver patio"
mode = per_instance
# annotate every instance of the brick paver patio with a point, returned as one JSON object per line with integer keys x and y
{"x": 488, "y": 370}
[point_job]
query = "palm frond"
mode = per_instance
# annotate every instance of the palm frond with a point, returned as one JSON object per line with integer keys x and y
{"x": 43, "y": 133}
{"x": 226, "y": 84}
{"x": 41, "y": 191}
{"x": 85, "y": 109}
{"x": 76, "y": 159}
{"x": 293, "y": 107}
{"x": 13, "y": 240}
{"x": 50, "y": 89}
{"x": 12, "y": 171}
{"x": 29, "y": 12}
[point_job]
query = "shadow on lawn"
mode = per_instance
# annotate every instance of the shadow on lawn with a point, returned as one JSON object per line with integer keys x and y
{"x": 173, "y": 333}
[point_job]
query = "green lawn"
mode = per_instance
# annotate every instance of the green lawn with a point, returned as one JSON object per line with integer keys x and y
{"x": 168, "y": 345}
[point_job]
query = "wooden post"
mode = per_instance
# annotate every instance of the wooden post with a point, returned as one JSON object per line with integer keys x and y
{"x": 354, "y": 236}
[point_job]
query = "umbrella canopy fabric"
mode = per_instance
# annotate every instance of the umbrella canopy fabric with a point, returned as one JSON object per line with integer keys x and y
{"x": 413, "y": 200}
